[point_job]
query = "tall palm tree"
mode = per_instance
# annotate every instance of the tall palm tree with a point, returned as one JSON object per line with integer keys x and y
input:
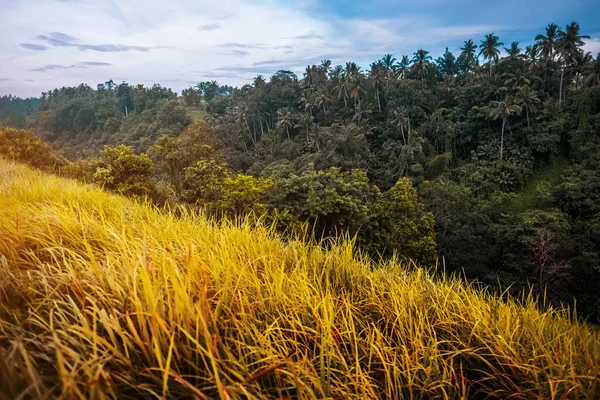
{"x": 259, "y": 81}
{"x": 467, "y": 57}
{"x": 388, "y": 62}
{"x": 513, "y": 51}
{"x": 489, "y": 49}
{"x": 529, "y": 100}
{"x": 591, "y": 73}
{"x": 309, "y": 74}
{"x": 305, "y": 121}
{"x": 284, "y": 119}
{"x": 421, "y": 62}
{"x": 569, "y": 44}
{"x": 322, "y": 99}
{"x": 357, "y": 89}
{"x": 325, "y": 66}
{"x": 401, "y": 68}
{"x": 546, "y": 44}
{"x": 337, "y": 72}
{"x": 343, "y": 88}
{"x": 581, "y": 61}
{"x": 352, "y": 69}
{"x": 376, "y": 76}
{"x": 401, "y": 120}
{"x": 361, "y": 114}
{"x": 504, "y": 109}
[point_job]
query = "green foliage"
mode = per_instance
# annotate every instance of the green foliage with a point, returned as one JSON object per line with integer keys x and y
{"x": 25, "y": 147}
{"x": 480, "y": 143}
{"x": 402, "y": 225}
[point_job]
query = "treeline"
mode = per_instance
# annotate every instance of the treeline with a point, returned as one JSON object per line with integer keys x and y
{"x": 501, "y": 144}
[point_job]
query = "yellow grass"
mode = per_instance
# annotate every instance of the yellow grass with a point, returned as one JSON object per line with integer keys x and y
{"x": 104, "y": 298}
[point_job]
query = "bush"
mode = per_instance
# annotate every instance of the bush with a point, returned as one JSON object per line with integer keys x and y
{"x": 25, "y": 147}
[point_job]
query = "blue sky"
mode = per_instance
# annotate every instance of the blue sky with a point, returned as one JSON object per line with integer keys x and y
{"x": 177, "y": 43}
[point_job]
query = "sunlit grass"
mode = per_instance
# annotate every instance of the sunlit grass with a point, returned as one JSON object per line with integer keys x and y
{"x": 104, "y": 298}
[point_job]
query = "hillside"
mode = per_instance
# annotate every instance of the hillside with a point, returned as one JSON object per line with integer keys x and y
{"x": 105, "y": 298}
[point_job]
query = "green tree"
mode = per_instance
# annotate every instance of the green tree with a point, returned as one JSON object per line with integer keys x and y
{"x": 489, "y": 49}
{"x": 503, "y": 110}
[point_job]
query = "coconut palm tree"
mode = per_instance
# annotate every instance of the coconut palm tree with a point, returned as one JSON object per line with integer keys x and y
{"x": 489, "y": 49}
{"x": 352, "y": 69}
{"x": 401, "y": 68}
{"x": 357, "y": 89}
{"x": 421, "y": 62}
{"x": 591, "y": 73}
{"x": 502, "y": 110}
{"x": 546, "y": 44}
{"x": 259, "y": 81}
{"x": 513, "y": 51}
{"x": 305, "y": 121}
{"x": 342, "y": 89}
{"x": 376, "y": 79}
{"x": 401, "y": 120}
{"x": 529, "y": 100}
{"x": 284, "y": 119}
{"x": 569, "y": 44}
{"x": 581, "y": 61}
{"x": 360, "y": 114}
{"x": 309, "y": 74}
{"x": 325, "y": 66}
{"x": 388, "y": 62}
{"x": 467, "y": 58}
{"x": 322, "y": 99}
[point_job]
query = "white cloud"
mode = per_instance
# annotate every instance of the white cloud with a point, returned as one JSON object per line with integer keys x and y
{"x": 181, "y": 42}
{"x": 593, "y": 45}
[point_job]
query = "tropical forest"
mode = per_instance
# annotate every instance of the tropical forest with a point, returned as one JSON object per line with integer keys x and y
{"x": 424, "y": 226}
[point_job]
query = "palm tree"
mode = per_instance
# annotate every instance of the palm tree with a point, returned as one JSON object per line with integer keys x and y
{"x": 547, "y": 43}
{"x": 322, "y": 99}
{"x": 518, "y": 77}
{"x": 592, "y": 73}
{"x": 305, "y": 121}
{"x": 259, "y": 81}
{"x": 284, "y": 118}
{"x": 376, "y": 80}
{"x": 337, "y": 72}
{"x": 401, "y": 120}
{"x": 343, "y": 89}
{"x": 360, "y": 114}
{"x": 352, "y": 69}
{"x": 529, "y": 100}
{"x": 325, "y": 66}
{"x": 357, "y": 89}
{"x": 489, "y": 49}
{"x": 513, "y": 51}
{"x": 421, "y": 62}
{"x": 467, "y": 57}
{"x": 401, "y": 68}
{"x": 504, "y": 109}
{"x": 568, "y": 45}
{"x": 581, "y": 61}
{"x": 388, "y": 62}
{"x": 308, "y": 75}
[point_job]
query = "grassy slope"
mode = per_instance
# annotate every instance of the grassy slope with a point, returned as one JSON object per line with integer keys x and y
{"x": 105, "y": 298}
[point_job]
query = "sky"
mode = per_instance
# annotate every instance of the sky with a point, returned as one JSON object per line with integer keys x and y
{"x": 177, "y": 43}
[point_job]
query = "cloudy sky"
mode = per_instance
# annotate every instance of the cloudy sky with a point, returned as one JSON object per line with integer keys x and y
{"x": 52, "y": 43}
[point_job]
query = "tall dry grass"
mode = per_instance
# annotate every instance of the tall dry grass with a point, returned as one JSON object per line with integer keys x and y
{"x": 104, "y": 298}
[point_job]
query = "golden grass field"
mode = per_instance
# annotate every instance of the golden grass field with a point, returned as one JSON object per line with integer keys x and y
{"x": 105, "y": 298}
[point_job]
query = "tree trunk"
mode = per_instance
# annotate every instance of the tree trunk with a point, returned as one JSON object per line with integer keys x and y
{"x": 562, "y": 73}
{"x": 287, "y": 130}
{"x": 502, "y": 137}
{"x": 378, "y": 101}
{"x": 490, "y": 68}
{"x": 527, "y": 113}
